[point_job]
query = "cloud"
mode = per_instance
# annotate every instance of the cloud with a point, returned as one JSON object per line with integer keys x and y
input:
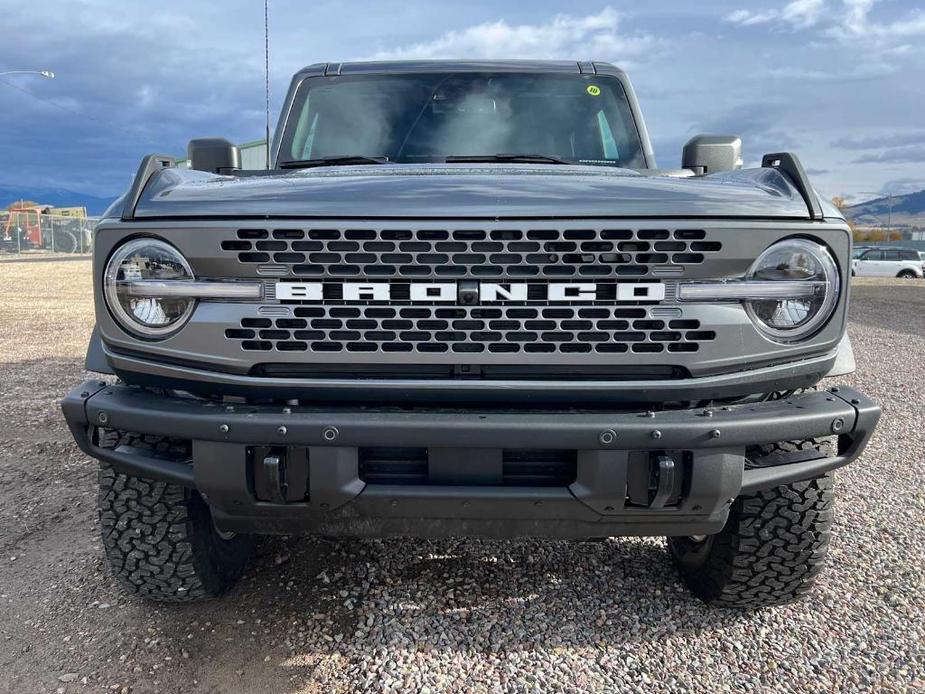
{"x": 802, "y": 13}
{"x": 749, "y": 18}
{"x": 846, "y": 21}
{"x": 880, "y": 141}
{"x": 562, "y": 37}
{"x": 858, "y": 73}
{"x": 798, "y": 14}
{"x": 856, "y": 23}
{"x": 127, "y": 83}
{"x": 895, "y": 155}
{"x": 903, "y": 186}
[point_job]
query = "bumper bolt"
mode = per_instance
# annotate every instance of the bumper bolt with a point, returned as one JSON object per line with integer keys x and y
{"x": 607, "y": 437}
{"x": 656, "y": 434}
{"x": 282, "y": 431}
{"x": 715, "y": 434}
{"x": 287, "y": 410}
{"x": 223, "y": 428}
{"x": 838, "y": 425}
{"x": 330, "y": 434}
{"x": 103, "y": 417}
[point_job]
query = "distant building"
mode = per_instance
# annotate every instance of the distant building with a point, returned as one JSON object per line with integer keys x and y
{"x": 253, "y": 155}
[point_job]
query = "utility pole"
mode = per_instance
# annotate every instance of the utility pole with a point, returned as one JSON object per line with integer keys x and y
{"x": 889, "y": 217}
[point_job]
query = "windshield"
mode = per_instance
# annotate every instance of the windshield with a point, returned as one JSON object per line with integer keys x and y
{"x": 428, "y": 117}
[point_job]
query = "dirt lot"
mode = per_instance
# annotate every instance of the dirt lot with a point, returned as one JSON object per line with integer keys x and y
{"x": 319, "y": 616}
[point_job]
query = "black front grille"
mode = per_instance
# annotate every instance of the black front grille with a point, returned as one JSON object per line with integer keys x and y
{"x": 469, "y": 330}
{"x": 519, "y": 467}
{"x": 433, "y": 252}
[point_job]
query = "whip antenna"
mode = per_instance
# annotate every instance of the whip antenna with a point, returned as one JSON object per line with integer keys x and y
{"x": 266, "y": 65}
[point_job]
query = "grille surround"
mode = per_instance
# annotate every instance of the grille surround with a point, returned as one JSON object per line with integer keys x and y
{"x": 737, "y": 347}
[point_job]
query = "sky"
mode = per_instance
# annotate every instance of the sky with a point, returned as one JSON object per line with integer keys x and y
{"x": 839, "y": 82}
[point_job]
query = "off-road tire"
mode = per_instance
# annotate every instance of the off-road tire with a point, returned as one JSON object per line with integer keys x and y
{"x": 907, "y": 275}
{"x": 159, "y": 538}
{"x": 772, "y": 547}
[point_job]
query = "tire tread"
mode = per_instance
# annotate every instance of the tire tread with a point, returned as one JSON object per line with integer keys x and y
{"x": 772, "y": 548}
{"x": 157, "y": 536}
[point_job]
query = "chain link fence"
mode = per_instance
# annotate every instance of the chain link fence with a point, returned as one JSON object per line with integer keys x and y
{"x": 34, "y": 232}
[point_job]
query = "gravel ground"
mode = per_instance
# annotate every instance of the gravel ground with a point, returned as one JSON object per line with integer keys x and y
{"x": 321, "y": 616}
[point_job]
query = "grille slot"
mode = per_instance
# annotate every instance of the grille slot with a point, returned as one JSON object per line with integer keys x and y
{"x": 469, "y": 329}
{"x": 471, "y": 253}
{"x": 519, "y": 467}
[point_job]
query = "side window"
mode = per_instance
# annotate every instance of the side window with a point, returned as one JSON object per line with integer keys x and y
{"x": 891, "y": 255}
{"x": 908, "y": 255}
{"x": 872, "y": 255}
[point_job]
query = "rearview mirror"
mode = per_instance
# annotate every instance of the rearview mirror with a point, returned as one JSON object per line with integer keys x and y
{"x": 706, "y": 154}
{"x": 213, "y": 154}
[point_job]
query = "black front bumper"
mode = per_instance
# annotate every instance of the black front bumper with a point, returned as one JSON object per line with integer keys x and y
{"x": 697, "y": 460}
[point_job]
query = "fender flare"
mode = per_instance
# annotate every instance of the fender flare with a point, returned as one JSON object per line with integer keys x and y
{"x": 844, "y": 359}
{"x": 96, "y": 356}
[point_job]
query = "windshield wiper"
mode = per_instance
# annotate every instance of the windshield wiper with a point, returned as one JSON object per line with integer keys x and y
{"x": 332, "y": 161}
{"x": 506, "y": 159}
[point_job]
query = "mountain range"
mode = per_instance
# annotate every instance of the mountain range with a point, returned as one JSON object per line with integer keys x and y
{"x": 54, "y": 197}
{"x": 907, "y": 210}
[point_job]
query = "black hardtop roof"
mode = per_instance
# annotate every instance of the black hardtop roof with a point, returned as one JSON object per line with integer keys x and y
{"x": 399, "y": 66}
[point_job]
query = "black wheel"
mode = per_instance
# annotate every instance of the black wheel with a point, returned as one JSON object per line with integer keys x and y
{"x": 907, "y": 275}
{"x": 772, "y": 548}
{"x": 159, "y": 538}
{"x": 65, "y": 241}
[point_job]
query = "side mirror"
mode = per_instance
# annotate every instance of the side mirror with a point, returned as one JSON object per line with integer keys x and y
{"x": 712, "y": 153}
{"x": 213, "y": 154}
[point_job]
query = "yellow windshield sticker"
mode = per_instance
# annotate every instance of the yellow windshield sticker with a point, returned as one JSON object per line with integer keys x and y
{"x": 594, "y": 90}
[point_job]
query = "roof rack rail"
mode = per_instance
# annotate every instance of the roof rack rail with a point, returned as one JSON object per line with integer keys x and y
{"x": 151, "y": 164}
{"x": 789, "y": 164}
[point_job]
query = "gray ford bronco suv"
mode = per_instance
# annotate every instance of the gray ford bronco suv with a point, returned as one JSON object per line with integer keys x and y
{"x": 462, "y": 300}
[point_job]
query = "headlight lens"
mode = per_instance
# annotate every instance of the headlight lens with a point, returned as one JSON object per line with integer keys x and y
{"x": 791, "y": 319}
{"x": 147, "y": 259}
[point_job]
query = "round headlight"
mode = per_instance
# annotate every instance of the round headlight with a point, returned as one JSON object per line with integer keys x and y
{"x": 146, "y": 259}
{"x": 787, "y": 319}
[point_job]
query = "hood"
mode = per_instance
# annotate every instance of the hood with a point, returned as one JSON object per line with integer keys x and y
{"x": 470, "y": 191}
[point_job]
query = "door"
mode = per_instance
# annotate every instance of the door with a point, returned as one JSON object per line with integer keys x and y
{"x": 891, "y": 264}
{"x": 867, "y": 264}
